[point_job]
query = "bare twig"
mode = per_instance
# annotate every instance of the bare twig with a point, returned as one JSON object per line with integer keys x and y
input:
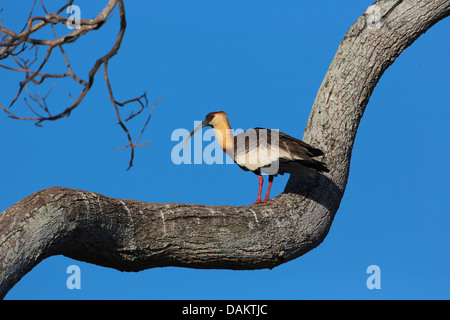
{"x": 139, "y": 100}
{"x": 13, "y": 45}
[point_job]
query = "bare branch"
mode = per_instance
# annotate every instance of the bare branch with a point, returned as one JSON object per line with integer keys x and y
{"x": 13, "y": 45}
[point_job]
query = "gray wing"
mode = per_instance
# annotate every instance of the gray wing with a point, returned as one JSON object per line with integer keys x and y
{"x": 301, "y": 157}
{"x": 294, "y": 156}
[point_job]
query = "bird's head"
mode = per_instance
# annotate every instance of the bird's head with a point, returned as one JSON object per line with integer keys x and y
{"x": 212, "y": 119}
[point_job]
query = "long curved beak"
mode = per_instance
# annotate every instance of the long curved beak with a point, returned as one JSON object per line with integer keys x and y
{"x": 201, "y": 125}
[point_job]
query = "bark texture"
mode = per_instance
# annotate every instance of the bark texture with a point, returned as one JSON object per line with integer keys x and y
{"x": 131, "y": 235}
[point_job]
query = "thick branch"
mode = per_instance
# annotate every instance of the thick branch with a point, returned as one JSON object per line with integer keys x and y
{"x": 132, "y": 235}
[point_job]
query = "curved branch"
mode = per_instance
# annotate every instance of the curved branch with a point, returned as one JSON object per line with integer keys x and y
{"x": 132, "y": 235}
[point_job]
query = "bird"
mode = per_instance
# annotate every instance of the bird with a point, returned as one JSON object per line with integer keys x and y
{"x": 263, "y": 151}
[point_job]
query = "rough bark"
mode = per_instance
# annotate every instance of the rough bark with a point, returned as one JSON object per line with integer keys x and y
{"x": 131, "y": 235}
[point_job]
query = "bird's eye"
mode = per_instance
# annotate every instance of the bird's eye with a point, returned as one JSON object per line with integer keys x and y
{"x": 209, "y": 117}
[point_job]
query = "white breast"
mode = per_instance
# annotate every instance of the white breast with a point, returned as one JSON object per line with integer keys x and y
{"x": 254, "y": 151}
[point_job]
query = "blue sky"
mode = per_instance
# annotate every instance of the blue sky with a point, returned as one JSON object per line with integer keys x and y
{"x": 262, "y": 62}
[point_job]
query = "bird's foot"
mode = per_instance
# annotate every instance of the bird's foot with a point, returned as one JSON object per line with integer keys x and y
{"x": 262, "y": 201}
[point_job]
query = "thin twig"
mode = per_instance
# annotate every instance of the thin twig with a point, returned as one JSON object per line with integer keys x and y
{"x": 111, "y": 96}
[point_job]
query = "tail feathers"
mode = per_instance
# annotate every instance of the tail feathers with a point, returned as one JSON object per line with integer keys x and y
{"x": 318, "y": 165}
{"x": 315, "y": 152}
{"x": 306, "y": 167}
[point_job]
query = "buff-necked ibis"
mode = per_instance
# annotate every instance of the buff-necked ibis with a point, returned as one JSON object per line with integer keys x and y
{"x": 263, "y": 151}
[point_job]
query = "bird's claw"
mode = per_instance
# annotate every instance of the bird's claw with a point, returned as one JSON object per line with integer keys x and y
{"x": 261, "y": 201}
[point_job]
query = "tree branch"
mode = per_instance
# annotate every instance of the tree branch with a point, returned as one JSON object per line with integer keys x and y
{"x": 12, "y": 41}
{"x": 131, "y": 235}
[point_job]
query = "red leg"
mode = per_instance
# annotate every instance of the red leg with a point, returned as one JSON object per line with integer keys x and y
{"x": 261, "y": 181}
{"x": 266, "y": 198}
